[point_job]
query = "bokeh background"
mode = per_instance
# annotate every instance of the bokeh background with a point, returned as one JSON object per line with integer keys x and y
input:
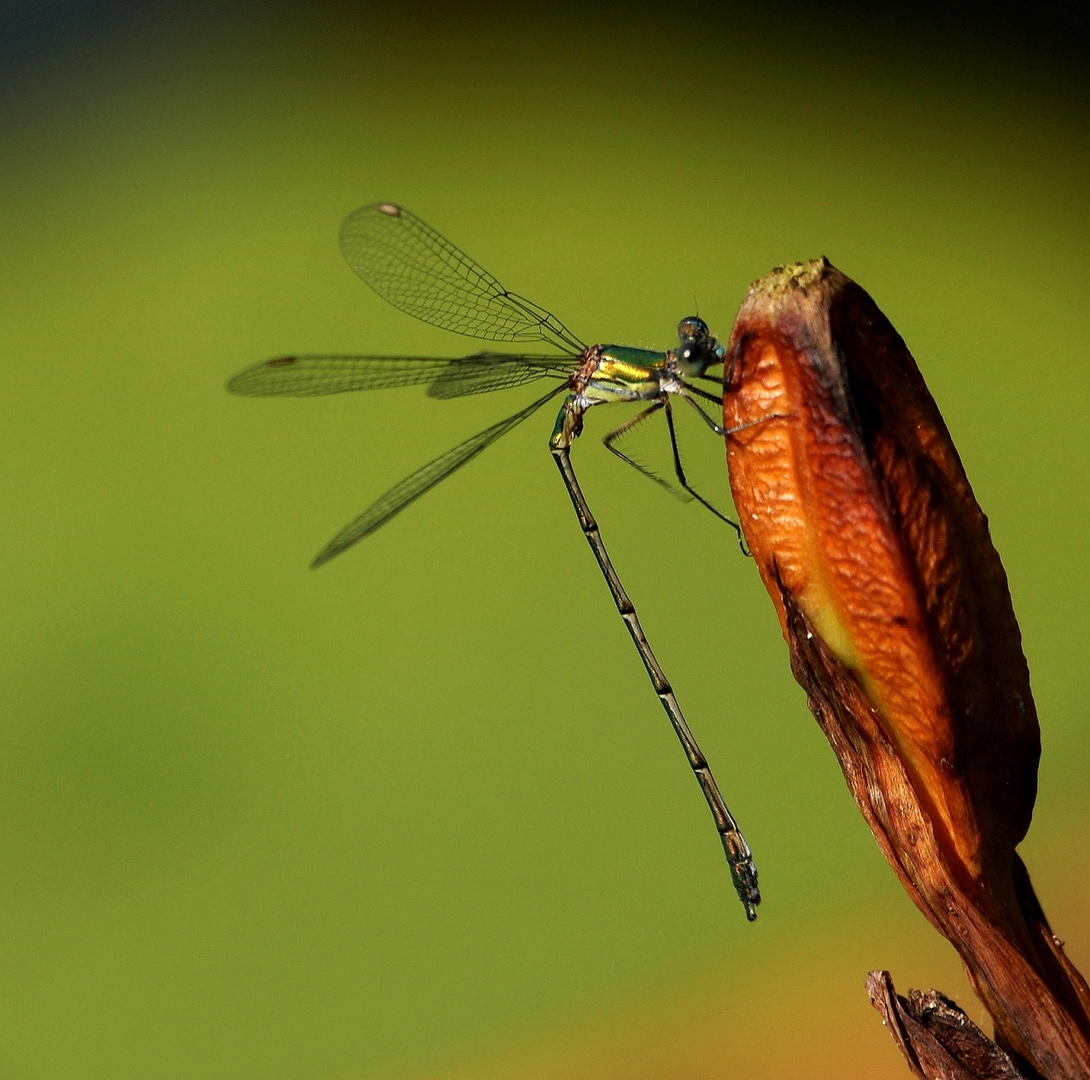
{"x": 419, "y": 814}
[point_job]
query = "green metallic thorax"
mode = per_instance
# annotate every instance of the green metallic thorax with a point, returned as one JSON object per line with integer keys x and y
{"x": 625, "y": 374}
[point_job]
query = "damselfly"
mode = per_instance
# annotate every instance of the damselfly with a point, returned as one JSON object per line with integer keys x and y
{"x": 418, "y": 271}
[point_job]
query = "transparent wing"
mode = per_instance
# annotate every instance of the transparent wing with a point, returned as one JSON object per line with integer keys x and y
{"x": 312, "y": 376}
{"x": 412, "y": 487}
{"x": 420, "y": 272}
{"x": 482, "y": 374}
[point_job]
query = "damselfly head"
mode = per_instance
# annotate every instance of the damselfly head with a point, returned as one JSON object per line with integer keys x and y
{"x": 697, "y": 349}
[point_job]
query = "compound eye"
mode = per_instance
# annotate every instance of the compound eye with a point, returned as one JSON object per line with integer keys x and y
{"x": 694, "y": 357}
{"x": 693, "y": 328}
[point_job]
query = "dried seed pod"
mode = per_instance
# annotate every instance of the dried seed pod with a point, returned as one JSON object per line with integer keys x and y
{"x": 896, "y": 609}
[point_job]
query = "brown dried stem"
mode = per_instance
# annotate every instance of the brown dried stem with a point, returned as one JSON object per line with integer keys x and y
{"x": 896, "y": 610}
{"x": 937, "y": 1039}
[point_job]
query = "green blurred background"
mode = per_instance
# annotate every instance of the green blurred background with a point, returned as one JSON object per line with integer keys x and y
{"x": 419, "y": 814}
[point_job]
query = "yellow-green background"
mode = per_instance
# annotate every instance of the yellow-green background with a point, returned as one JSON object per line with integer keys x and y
{"x": 419, "y": 814}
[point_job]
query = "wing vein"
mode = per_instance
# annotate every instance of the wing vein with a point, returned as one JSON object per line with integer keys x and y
{"x": 423, "y": 480}
{"x": 422, "y": 273}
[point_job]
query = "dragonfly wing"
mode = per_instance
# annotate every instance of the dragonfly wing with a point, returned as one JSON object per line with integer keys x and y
{"x": 482, "y": 374}
{"x": 423, "y": 480}
{"x": 420, "y": 272}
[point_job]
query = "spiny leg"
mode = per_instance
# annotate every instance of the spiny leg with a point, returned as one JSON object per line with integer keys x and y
{"x": 687, "y": 393}
{"x": 719, "y": 429}
{"x": 743, "y": 872}
{"x": 627, "y": 426}
{"x": 679, "y": 469}
{"x": 715, "y": 399}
